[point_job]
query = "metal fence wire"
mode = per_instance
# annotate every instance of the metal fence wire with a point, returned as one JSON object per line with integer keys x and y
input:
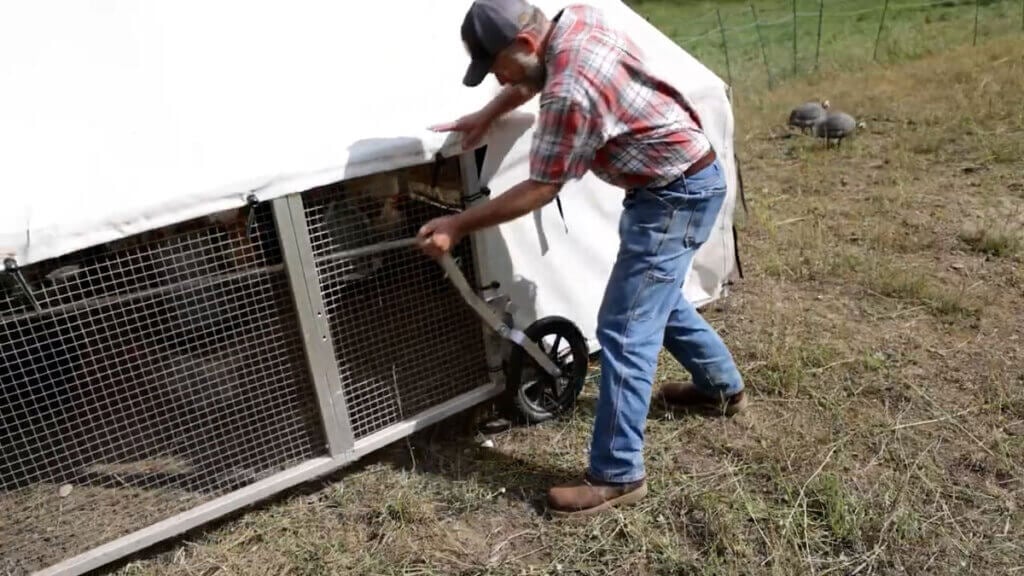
{"x": 142, "y": 378}
{"x": 157, "y": 373}
{"x": 403, "y": 338}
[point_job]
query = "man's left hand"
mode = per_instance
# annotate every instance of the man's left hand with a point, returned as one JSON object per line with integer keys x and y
{"x": 440, "y": 235}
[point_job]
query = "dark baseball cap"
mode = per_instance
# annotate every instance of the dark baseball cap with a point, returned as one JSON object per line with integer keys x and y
{"x": 490, "y": 26}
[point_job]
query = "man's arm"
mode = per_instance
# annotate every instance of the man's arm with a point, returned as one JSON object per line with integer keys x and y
{"x": 567, "y": 136}
{"x": 521, "y": 199}
{"x": 441, "y": 234}
{"x": 508, "y": 100}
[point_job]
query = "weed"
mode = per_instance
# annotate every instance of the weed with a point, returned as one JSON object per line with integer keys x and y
{"x": 994, "y": 239}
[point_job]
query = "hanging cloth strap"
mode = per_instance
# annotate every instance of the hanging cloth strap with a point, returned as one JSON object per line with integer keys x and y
{"x": 558, "y": 200}
{"x": 561, "y": 214}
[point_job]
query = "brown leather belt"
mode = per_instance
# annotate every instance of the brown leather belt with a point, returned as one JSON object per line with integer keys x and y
{"x": 702, "y": 163}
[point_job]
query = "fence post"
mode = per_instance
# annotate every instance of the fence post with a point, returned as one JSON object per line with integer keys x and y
{"x": 878, "y": 36}
{"x": 725, "y": 45}
{"x": 764, "y": 53}
{"x": 977, "y": 5}
{"x": 817, "y": 51}
{"x": 794, "y": 37}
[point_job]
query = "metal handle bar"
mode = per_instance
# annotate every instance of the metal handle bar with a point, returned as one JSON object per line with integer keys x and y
{"x": 489, "y": 316}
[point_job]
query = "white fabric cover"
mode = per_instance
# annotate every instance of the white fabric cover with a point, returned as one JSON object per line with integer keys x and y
{"x": 123, "y": 116}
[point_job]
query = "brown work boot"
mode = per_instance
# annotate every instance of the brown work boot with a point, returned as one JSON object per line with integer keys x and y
{"x": 590, "y": 496}
{"x": 690, "y": 398}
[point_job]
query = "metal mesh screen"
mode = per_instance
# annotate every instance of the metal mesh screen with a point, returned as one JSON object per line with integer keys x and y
{"x": 404, "y": 338}
{"x": 157, "y": 373}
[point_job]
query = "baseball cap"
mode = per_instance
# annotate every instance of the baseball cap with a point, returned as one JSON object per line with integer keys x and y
{"x": 490, "y": 26}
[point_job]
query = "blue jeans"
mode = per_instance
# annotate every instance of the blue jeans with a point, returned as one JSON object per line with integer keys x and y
{"x": 643, "y": 309}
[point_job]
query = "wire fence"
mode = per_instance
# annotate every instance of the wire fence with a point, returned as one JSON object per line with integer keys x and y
{"x": 764, "y": 43}
{"x": 154, "y": 383}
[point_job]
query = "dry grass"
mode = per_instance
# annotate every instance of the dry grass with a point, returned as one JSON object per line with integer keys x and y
{"x": 880, "y": 336}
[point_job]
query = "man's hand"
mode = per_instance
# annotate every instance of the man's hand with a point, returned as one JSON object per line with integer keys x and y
{"x": 472, "y": 126}
{"x": 440, "y": 235}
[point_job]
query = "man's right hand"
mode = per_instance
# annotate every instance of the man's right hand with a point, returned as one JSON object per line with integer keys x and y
{"x": 472, "y": 126}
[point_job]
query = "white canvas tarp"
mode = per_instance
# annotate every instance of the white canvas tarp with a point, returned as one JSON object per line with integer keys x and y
{"x": 123, "y": 116}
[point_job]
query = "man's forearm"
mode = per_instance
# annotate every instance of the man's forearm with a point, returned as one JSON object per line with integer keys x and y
{"x": 509, "y": 99}
{"x": 522, "y": 198}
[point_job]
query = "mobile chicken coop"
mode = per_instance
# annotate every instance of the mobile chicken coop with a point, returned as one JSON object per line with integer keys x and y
{"x": 208, "y": 293}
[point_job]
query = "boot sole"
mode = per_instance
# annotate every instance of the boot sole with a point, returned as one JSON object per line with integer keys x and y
{"x": 624, "y": 500}
{"x": 709, "y": 409}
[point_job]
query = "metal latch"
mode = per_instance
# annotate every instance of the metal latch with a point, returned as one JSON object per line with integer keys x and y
{"x": 11, "y": 267}
{"x": 253, "y": 202}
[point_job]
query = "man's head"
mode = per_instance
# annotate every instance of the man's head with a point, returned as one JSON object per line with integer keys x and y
{"x": 505, "y": 37}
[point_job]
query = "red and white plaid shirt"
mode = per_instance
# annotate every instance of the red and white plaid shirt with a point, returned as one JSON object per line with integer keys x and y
{"x": 602, "y": 110}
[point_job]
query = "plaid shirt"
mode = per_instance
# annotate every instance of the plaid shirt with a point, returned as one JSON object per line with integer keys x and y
{"x": 602, "y": 110}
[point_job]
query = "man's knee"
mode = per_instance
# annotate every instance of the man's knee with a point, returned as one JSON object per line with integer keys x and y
{"x": 612, "y": 317}
{"x": 610, "y": 332}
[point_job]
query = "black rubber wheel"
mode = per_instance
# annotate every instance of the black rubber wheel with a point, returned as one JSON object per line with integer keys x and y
{"x": 531, "y": 393}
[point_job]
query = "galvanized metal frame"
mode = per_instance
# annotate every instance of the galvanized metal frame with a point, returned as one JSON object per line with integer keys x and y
{"x": 298, "y": 259}
{"x": 307, "y": 298}
{"x": 496, "y": 346}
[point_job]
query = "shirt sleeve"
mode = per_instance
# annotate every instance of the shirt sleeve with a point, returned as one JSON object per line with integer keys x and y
{"x": 566, "y": 137}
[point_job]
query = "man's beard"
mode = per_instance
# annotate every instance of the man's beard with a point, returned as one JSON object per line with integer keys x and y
{"x": 534, "y": 69}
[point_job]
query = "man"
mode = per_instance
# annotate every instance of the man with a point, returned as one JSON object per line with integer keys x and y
{"x": 602, "y": 110}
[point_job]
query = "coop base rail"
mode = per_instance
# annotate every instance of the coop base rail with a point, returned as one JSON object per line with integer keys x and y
{"x": 268, "y": 487}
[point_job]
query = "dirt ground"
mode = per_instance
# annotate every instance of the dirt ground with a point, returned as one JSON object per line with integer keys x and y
{"x": 879, "y": 330}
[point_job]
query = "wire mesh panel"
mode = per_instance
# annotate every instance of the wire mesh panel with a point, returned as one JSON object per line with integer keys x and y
{"x": 403, "y": 337}
{"x": 147, "y": 377}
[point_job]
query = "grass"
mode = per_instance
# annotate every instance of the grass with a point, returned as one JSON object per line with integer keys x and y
{"x": 761, "y": 51}
{"x": 878, "y": 328}
{"x": 997, "y": 240}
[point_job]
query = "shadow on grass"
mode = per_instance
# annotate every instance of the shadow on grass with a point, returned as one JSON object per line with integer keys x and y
{"x": 449, "y": 449}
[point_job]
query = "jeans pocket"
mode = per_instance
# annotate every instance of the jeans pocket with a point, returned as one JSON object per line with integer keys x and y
{"x": 647, "y": 198}
{"x": 651, "y": 298}
{"x": 701, "y": 220}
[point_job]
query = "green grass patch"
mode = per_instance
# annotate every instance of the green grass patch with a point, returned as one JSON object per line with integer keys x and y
{"x": 830, "y": 36}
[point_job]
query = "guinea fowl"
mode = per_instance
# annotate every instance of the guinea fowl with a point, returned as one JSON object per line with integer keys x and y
{"x": 805, "y": 115}
{"x": 836, "y": 126}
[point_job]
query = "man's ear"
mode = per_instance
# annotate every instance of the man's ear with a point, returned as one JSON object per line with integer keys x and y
{"x": 526, "y": 42}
